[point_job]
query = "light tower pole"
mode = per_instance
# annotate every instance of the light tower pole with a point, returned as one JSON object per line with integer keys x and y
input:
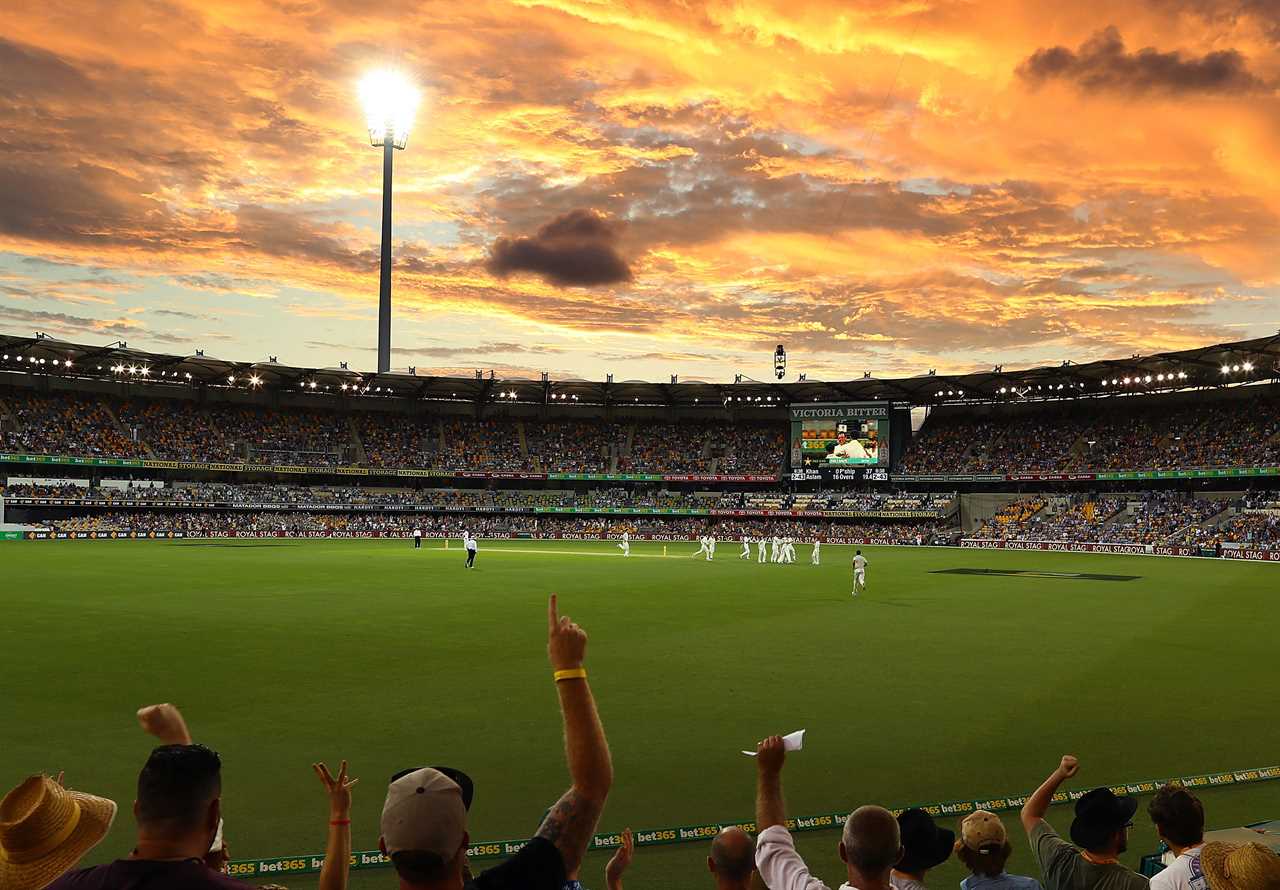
{"x": 389, "y": 101}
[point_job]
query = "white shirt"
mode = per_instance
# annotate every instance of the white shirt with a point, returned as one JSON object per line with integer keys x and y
{"x": 1184, "y": 874}
{"x": 859, "y": 563}
{"x": 816, "y": 545}
{"x": 626, "y": 537}
{"x": 417, "y": 533}
{"x": 471, "y": 543}
{"x": 851, "y": 448}
{"x": 781, "y": 866}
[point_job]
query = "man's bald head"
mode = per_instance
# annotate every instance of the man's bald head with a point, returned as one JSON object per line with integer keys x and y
{"x": 733, "y": 856}
{"x": 872, "y": 842}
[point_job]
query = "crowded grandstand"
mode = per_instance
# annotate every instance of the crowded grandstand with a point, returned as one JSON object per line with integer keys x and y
{"x": 133, "y": 443}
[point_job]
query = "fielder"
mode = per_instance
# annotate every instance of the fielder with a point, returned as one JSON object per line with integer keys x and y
{"x": 859, "y": 573}
{"x": 469, "y": 542}
{"x": 625, "y": 544}
{"x": 711, "y": 548}
{"x": 702, "y": 548}
{"x": 815, "y": 558}
{"x": 775, "y": 544}
{"x": 746, "y": 548}
{"x": 760, "y": 545}
{"x": 417, "y": 538}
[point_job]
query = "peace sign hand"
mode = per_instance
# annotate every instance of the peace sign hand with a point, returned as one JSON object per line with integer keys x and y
{"x": 339, "y": 789}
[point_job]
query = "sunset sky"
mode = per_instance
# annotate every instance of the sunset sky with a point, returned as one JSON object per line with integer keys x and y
{"x": 646, "y": 187}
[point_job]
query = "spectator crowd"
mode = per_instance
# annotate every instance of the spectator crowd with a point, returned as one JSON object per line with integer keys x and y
{"x": 181, "y": 835}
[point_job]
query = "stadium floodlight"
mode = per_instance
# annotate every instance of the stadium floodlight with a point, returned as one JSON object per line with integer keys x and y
{"x": 1226, "y": 369}
{"x": 390, "y": 100}
{"x": 1248, "y": 366}
{"x": 255, "y": 380}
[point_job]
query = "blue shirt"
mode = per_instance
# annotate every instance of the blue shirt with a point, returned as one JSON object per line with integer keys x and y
{"x": 1002, "y": 881}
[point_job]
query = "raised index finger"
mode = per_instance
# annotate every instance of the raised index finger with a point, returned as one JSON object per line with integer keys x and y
{"x": 552, "y": 620}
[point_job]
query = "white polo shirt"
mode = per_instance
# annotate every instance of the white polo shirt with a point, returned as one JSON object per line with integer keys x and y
{"x": 1184, "y": 874}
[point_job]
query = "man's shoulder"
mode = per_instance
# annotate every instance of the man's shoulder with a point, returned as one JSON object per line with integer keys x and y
{"x": 187, "y": 874}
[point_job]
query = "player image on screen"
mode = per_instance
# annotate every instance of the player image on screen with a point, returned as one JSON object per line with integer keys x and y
{"x": 845, "y": 436}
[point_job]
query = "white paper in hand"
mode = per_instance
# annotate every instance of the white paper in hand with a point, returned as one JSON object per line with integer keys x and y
{"x": 792, "y": 741}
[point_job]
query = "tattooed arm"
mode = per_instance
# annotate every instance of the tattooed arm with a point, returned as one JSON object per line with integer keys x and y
{"x": 572, "y": 821}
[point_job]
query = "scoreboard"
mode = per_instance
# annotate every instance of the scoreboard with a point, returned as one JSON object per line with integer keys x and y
{"x": 842, "y": 441}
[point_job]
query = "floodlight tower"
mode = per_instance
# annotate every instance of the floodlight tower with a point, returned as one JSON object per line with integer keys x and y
{"x": 390, "y": 101}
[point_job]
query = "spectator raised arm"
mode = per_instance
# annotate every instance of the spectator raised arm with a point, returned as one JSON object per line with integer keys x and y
{"x": 1099, "y": 834}
{"x": 572, "y": 820}
{"x": 337, "y": 851}
{"x": 869, "y": 846}
{"x": 1033, "y": 811}
{"x": 165, "y": 722}
{"x": 620, "y": 861}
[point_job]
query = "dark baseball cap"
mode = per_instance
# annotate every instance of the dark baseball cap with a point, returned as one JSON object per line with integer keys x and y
{"x": 1100, "y": 814}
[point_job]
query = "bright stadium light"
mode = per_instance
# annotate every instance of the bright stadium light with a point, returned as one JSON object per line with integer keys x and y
{"x": 1248, "y": 366}
{"x": 390, "y": 100}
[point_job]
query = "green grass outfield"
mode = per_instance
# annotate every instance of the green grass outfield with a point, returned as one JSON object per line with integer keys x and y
{"x": 932, "y": 687}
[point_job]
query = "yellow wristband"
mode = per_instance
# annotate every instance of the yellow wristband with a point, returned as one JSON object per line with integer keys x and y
{"x": 571, "y": 674}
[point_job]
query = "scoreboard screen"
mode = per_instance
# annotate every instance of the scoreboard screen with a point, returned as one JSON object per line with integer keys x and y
{"x": 840, "y": 440}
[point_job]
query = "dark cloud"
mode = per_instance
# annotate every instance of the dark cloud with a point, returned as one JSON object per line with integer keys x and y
{"x": 281, "y": 233}
{"x": 71, "y": 322}
{"x": 578, "y": 248}
{"x": 481, "y": 349}
{"x": 1102, "y": 63}
{"x": 177, "y": 313}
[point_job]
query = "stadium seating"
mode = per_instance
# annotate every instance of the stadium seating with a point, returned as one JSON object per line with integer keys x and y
{"x": 1077, "y": 437}
{"x": 1115, "y": 435}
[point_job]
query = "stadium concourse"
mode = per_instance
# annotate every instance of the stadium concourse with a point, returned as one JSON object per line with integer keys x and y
{"x": 1176, "y": 453}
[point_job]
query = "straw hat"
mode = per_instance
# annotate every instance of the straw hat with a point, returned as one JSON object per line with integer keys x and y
{"x": 45, "y": 829}
{"x": 1240, "y": 866}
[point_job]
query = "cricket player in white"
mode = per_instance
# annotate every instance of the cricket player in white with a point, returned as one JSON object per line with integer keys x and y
{"x": 625, "y": 544}
{"x": 470, "y": 543}
{"x": 846, "y": 447}
{"x": 746, "y": 548}
{"x": 859, "y": 573}
{"x": 789, "y": 550}
{"x": 702, "y": 547}
{"x": 711, "y": 548}
{"x": 774, "y": 544}
{"x": 815, "y": 558}
{"x": 760, "y": 545}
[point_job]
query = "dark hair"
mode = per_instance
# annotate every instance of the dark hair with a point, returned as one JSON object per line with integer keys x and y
{"x": 872, "y": 840}
{"x": 988, "y": 861}
{"x": 734, "y": 864}
{"x": 421, "y": 867}
{"x": 1178, "y": 814}
{"x": 176, "y": 786}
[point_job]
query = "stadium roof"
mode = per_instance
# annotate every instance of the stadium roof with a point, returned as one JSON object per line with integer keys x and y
{"x": 1248, "y": 361}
